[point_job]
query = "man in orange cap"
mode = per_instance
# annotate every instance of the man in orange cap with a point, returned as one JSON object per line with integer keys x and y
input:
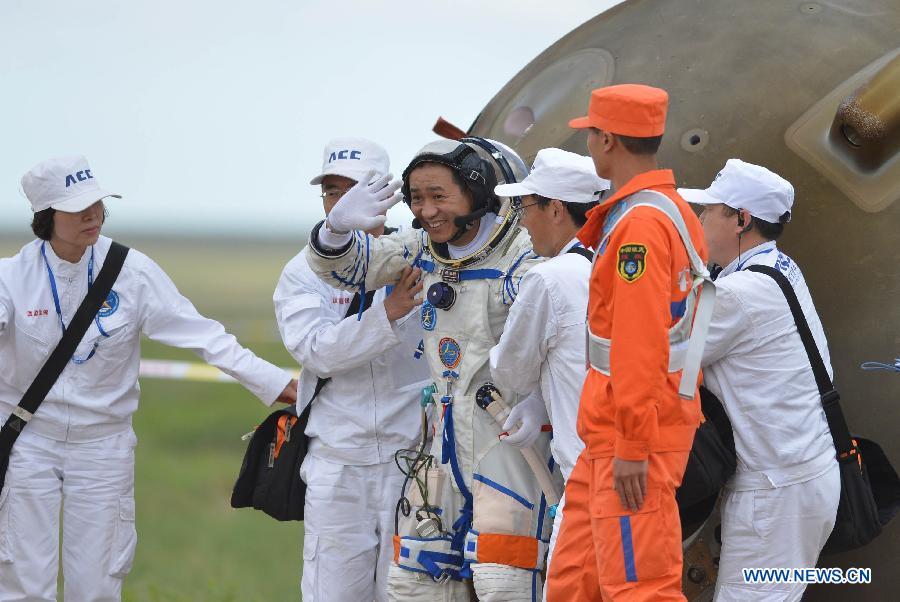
{"x": 621, "y": 537}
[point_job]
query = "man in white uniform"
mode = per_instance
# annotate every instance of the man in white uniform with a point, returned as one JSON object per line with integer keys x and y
{"x": 780, "y": 506}
{"x": 77, "y": 451}
{"x": 475, "y": 510}
{"x": 542, "y": 346}
{"x": 367, "y": 411}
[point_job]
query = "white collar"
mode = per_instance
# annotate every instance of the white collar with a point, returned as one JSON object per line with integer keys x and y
{"x": 485, "y": 228}
{"x": 62, "y": 266}
{"x": 572, "y": 243}
{"x": 741, "y": 260}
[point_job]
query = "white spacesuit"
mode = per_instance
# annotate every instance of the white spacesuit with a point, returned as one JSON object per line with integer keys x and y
{"x": 474, "y": 508}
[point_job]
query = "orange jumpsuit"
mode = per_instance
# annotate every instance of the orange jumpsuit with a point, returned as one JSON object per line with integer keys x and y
{"x": 638, "y": 287}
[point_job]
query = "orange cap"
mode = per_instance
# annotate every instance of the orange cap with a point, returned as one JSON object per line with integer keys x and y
{"x": 628, "y": 110}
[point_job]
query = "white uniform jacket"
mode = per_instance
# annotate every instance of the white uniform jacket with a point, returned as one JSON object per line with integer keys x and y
{"x": 543, "y": 345}
{"x": 370, "y": 408}
{"x": 755, "y": 363}
{"x": 96, "y": 399}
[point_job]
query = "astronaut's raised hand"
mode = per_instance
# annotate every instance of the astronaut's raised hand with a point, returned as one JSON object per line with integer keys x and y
{"x": 363, "y": 206}
{"x": 289, "y": 395}
{"x": 404, "y": 297}
{"x": 530, "y": 415}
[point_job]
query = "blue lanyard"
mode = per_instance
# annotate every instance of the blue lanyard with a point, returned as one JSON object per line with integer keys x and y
{"x": 59, "y": 308}
{"x": 743, "y": 263}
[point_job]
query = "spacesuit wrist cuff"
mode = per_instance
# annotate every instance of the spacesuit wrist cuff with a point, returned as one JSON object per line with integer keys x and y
{"x": 633, "y": 451}
{"x": 328, "y": 244}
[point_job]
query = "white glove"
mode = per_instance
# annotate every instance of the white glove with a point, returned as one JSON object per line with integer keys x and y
{"x": 364, "y": 205}
{"x": 530, "y": 414}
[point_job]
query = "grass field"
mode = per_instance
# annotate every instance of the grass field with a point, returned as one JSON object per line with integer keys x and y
{"x": 192, "y": 545}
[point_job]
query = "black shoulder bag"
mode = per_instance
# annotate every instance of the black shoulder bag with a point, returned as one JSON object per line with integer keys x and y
{"x": 60, "y": 356}
{"x": 866, "y": 504}
{"x": 269, "y": 479}
{"x": 711, "y": 463}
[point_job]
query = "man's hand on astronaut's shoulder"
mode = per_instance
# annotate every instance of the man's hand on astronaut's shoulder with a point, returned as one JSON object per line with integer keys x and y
{"x": 404, "y": 296}
{"x": 363, "y": 206}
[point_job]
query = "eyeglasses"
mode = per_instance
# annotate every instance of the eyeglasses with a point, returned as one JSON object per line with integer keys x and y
{"x": 520, "y": 209}
{"x": 334, "y": 194}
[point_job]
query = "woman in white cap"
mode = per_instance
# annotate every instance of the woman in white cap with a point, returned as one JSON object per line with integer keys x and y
{"x": 77, "y": 449}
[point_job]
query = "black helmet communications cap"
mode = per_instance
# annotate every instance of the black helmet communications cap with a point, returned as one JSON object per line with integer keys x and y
{"x": 466, "y": 163}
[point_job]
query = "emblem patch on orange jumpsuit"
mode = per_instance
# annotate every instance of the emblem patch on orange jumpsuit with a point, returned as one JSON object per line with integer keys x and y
{"x": 632, "y": 261}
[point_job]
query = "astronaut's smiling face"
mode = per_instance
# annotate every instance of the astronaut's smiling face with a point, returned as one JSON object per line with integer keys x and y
{"x": 436, "y": 198}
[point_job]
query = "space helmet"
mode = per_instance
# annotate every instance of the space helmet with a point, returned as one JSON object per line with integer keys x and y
{"x": 480, "y": 163}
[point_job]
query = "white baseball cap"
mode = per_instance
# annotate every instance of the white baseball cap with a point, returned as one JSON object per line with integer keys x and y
{"x": 559, "y": 174}
{"x": 352, "y": 158}
{"x": 63, "y": 183}
{"x": 742, "y": 185}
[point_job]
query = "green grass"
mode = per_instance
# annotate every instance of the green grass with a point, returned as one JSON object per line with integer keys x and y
{"x": 192, "y": 546}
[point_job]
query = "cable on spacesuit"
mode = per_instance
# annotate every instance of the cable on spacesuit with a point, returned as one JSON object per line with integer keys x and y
{"x": 414, "y": 463}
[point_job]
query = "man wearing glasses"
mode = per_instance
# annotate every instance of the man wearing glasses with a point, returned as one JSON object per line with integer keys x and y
{"x": 541, "y": 354}
{"x": 367, "y": 411}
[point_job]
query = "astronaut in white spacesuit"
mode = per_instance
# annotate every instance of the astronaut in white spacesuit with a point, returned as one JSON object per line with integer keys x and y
{"x": 473, "y": 508}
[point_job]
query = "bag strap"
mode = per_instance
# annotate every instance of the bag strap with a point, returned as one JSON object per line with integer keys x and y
{"x": 352, "y": 310}
{"x": 60, "y": 356}
{"x": 354, "y": 304}
{"x": 837, "y": 424}
{"x": 579, "y": 250}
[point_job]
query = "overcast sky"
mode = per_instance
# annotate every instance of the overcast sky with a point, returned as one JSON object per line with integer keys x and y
{"x": 210, "y": 115}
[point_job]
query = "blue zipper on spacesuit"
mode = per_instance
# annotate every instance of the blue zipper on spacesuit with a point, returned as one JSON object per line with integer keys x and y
{"x": 448, "y": 455}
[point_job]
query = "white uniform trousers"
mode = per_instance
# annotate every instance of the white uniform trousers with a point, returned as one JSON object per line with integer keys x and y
{"x": 557, "y": 523}
{"x": 94, "y": 484}
{"x": 774, "y": 528}
{"x": 348, "y": 530}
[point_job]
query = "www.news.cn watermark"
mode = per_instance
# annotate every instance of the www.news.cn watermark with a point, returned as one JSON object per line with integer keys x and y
{"x": 809, "y": 576}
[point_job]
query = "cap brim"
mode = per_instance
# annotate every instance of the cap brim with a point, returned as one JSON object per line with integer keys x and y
{"x": 513, "y": 189}
{"x": 579, "y": 123}
{"x": 83, "y": 201}
{"x": 697, "y": 196}
{"x": 356, "y": 176}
